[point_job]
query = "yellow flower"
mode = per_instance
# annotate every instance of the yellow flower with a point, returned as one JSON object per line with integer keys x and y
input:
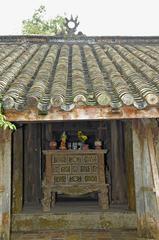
{"x": 81, "y": 136}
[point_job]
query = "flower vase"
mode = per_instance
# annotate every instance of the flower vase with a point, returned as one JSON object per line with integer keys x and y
{"x": 85, "y": 146}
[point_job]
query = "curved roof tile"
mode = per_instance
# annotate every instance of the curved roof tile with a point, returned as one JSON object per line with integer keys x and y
{"x": 61, "y": 74}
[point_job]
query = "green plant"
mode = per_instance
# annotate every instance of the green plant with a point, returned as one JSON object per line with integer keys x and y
{"x": 3, "y": 122}
{"x": 38, "y": 25}
{"x": 81, "y": 136}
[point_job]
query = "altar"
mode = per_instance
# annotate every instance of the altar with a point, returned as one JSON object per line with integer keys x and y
{"x": 74, "y": 172}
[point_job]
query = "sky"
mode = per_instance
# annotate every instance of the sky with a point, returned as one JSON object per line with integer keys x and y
{"x": 97, "y": 17}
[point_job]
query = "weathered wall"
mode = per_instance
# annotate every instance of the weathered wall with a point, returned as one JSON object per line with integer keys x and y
{"x": 146, "y": 177}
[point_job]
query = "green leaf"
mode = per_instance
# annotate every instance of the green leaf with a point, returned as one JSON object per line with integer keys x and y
{"x": 4, "y": 123}
{"x": 38, "y": 25}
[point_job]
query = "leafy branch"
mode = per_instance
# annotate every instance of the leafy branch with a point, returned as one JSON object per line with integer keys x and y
{"x": 38, "y": 25}
{"x": 3, "y": 122}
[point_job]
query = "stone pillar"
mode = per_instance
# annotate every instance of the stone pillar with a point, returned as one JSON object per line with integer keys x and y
{"x": 146, "y": 178}
{"x": 5, "y": 183}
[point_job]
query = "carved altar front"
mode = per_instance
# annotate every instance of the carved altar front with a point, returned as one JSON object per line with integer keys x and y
{"x": 74, "y": 172}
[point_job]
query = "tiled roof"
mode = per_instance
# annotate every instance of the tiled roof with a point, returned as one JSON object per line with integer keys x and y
{"x": 66, "y": 74}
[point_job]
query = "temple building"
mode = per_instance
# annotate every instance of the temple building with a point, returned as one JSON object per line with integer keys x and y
{"x": 85, "y": 153}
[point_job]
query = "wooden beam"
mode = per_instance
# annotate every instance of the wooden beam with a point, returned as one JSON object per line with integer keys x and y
{"x": 5, "y": 183}
{"x": 128, "y": 152}
{"x": 118, "y": 191}
{"x": 82, "y": 113}
{"x": 145, "y": 187}
{"x": 32, "y": 164}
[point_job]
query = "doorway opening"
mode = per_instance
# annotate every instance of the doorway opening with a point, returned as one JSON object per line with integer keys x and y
{"x": 29, "y": 142}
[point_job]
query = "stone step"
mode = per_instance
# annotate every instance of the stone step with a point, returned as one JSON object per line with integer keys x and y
{"x": 40, "y": 221}
{"x": 115, "y": 234}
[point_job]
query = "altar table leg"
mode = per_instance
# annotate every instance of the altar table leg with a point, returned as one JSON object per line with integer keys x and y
{"x": 46, "y": 201}
{"x": 103, "y": 197}
{"x": 53, "y": 199}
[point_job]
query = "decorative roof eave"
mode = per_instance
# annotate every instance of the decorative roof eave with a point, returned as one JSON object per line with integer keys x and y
{"x": 82, "y": 113}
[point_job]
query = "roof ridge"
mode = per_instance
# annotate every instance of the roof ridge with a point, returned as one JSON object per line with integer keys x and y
{"x": 78, "y": 38}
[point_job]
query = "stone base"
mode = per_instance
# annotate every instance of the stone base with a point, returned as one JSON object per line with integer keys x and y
{"x": 75, "y": 220}
{"x": 113, "y": 234}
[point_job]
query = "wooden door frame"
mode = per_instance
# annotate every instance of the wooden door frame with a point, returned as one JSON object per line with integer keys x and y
{"x": 5, "y": 184}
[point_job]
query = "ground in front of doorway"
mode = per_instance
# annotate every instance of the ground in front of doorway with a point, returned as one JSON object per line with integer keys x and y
{"x": 79, "y": 235}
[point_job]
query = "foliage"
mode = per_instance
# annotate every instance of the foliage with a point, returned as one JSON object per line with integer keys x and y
{"x": 38, "y": 25}
{"x": 3, "y": 122}
{"x": 81, "y": 136}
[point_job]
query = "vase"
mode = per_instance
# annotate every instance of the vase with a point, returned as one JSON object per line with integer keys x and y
{"x": 80, "y": 145}
{"x": 85, "y": 146}
{"x": 98, "y": 144}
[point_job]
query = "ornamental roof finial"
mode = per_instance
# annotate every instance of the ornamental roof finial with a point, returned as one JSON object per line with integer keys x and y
{"x": 71, "y": 25}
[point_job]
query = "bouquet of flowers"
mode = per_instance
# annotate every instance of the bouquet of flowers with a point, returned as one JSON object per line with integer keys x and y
{"x": 81, "y": 136}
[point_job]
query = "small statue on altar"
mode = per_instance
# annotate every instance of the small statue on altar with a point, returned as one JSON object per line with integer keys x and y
{"x": 63, "y": 141}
